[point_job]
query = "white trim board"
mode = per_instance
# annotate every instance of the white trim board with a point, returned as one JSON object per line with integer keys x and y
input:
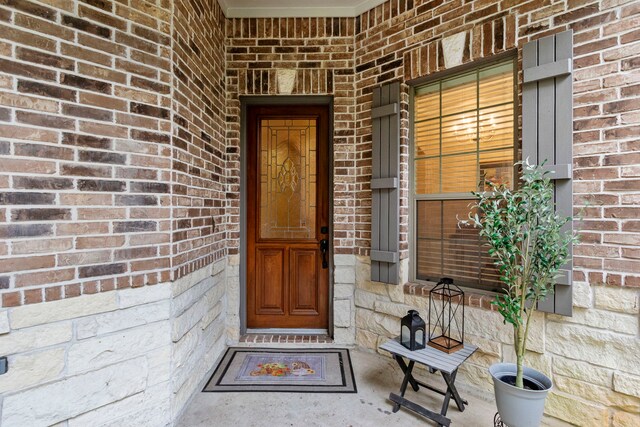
{"x": 303, "y": 9}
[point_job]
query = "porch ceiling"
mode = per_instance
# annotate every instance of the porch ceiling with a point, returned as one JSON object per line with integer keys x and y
{"x": 295, "y": 8}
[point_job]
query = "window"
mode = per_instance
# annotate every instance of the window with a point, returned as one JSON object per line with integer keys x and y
{"x": 463, "y": 135}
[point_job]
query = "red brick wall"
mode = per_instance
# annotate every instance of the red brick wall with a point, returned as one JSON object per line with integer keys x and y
{"x": 98, "y": 188}
{"x": 92, "y": 163}
{"x": 199, "y": 195}
{"x": 85, "y": 167}
{"x": 400, "y": 40}
{"x": 321, "y": 50}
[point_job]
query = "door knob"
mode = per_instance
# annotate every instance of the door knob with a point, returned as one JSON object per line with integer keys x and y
{"x": 324, "y": 247}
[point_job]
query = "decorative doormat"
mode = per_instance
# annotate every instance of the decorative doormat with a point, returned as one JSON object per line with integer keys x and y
{"x": 284, "y": 370}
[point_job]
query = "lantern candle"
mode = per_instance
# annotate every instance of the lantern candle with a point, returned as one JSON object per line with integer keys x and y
{"x": 412, "y": 331}
{"x": 446, "y": 316}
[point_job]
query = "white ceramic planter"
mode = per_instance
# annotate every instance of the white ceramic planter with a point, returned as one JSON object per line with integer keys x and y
{"x": 519, "y": 407}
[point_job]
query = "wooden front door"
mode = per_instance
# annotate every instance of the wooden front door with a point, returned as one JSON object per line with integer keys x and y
{"x": 287, "y": 217}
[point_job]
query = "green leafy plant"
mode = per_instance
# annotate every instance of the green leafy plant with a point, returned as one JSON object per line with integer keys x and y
{"x": 527, "y": 242}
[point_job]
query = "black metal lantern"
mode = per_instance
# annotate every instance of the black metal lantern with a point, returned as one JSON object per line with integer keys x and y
{"x": 412, "y": 331}
{"x": 446, "y": 316}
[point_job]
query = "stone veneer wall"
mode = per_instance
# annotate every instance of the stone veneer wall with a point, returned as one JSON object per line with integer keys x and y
{"x": 592, "y": 356}
{"x": 128, "y": 357}
{"x": 321, "y": 51}
{"x": 112, "y": 200}
{"x": 92, "y": 360}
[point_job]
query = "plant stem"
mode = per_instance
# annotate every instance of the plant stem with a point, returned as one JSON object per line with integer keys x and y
{"x": 522, "y": 346}
{"x": 519, "y": 357}
{"x": 523, "y": 330}
{"x": 519, "y": 372}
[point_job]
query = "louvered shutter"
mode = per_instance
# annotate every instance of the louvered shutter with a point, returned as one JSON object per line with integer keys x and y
{"x": 547, "y": 120}
{"x": 385, "y": 203}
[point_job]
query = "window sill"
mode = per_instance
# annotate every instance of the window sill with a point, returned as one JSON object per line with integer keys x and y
{"x": 472, "y": 297}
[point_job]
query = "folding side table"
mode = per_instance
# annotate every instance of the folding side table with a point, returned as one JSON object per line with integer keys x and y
{"x": 435, "y": 360}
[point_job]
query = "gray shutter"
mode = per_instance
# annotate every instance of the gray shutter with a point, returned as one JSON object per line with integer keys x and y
{"x": 547, "y": 120}
{"x": 385, "y": 201}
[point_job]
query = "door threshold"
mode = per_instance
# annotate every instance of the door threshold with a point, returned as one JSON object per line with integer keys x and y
{"x": 286, "y": 331}
{"x": 270, "y": 339}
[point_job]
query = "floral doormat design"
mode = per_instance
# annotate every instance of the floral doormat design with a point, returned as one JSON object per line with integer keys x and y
{"x": 282, "y": 367}
{"x": 291, "y": 370}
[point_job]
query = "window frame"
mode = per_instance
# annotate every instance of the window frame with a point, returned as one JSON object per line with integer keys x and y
{"x": 517, "y": 142}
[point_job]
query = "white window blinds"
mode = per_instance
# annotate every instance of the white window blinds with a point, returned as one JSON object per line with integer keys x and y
{"x": 464, "y": 134}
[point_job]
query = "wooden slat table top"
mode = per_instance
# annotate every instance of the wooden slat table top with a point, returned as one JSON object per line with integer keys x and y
{"x": 429, "y": 356}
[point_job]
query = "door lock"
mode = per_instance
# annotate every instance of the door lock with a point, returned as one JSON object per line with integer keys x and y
{"x": 324, "y": 248}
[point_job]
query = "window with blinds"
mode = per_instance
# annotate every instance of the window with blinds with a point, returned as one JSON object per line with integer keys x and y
{"x": 463, "y": 136}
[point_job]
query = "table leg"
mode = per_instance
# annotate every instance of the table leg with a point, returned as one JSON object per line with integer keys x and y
{"x": 400, "y": 401}
{"x": 403, "y": 366}
{"x": 450, "y": 379}
{"x": 441, "y": 420}
{"x": 445, "y": 403}
{"x": 405, "y": 381}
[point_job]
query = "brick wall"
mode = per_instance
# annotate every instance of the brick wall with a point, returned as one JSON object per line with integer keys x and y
{"x": 113, "y": 154}
{"x": 400, "y": 40}
{"x": 588, "y": 355}
{"x": 199, "y": 196}
{"x": 86, "y": 158}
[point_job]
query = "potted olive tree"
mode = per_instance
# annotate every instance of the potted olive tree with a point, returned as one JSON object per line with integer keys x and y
{"x": 528, "y": 245}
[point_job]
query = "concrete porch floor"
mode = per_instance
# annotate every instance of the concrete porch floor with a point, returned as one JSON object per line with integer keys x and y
{"x": 376, "y": 377}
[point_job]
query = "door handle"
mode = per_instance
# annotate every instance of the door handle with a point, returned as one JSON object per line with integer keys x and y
{"x": 324, "y": 247}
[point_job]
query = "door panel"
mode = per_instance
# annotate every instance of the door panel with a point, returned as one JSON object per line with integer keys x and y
{"x": 271, "y": 281}
{"x": 287, "y": 208}
{"x": 304, "y": 275}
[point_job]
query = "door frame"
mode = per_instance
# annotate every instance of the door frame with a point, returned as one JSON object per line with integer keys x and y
{"x": 245, "y": 102}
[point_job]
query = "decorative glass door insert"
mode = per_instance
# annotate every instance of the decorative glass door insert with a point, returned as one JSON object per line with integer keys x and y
{"x": 288, "y": 178}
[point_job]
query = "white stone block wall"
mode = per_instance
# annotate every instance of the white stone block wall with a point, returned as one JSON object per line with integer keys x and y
{"x": 233, "y": 299}
{"x": 198, "y": 330}
{"x": 126, "y": 357}
{"x": 591, "y": 357}
{"x": 344, "y": 313}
